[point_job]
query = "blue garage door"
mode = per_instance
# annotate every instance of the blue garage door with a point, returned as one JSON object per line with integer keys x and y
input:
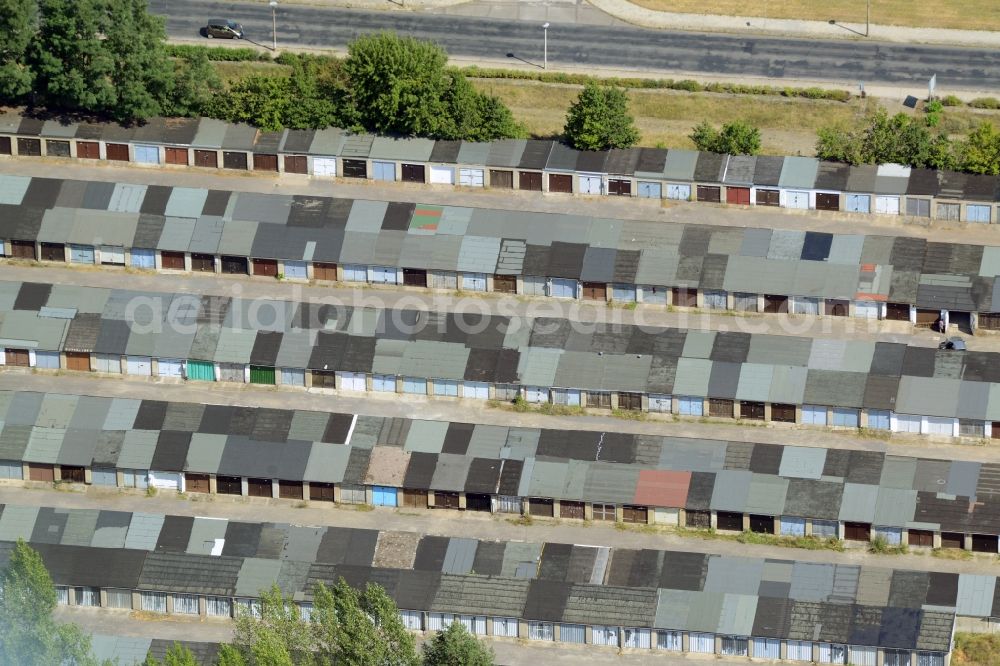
{"x": 859, "y": 203}
{"x": 147, "y": 154}
{"x": 81, "y": 254}
{"x": 649, "y": 190}
{"x": 793, "y": 526}
{"x": 143, "y": 258}
{"x": 384, "y": 170}
{"x": 295, "y": 269}
{"x": 563, "y": 288}
{"x": 383, "y": 496}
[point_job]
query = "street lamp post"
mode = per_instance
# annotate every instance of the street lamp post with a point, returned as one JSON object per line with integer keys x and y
{"x": 868, "y": 17}
{"x": 274, "y": 25}
{"x": 545, "y": 45}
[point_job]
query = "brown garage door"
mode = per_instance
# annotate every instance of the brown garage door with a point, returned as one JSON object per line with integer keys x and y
{"x": 17, "y": 357}
{"x": 923, "y": 538}
{"x": 775, "y": 304}
{"x": 30, "y": 147}
{"x": 926, "y": 318}
{"x": 635, "y": 514}
{"x": 897, "y": 311}
{"x": 176, "y": 155}
{"x": 88, "y": 150}
{"x": 561, "y": 182}
{"x": 699, "y": 519}
{"x": 234, "y": 160}
{"x": 290, "y": 490}
{"x": 989, "y": 321}
{"x": 41, "y": 472}
{"x": 762, "y": 524}
{"x": 529, "y": 180}
{"x": 595, "y": 291}
{"x": 206, "y": 158}
{"x": 738, "y": 196}
{"x": 783, "y": 413}
{"x": 197, "y": 483}
{"x": 265, "y": 267}
{"x": 414, "y": 499}
{"x": 53, "y": 252}
{"x": 414, "y": 277}
{"x": 414, "y": 173}
{"x": 684, "y": 298}
{"x": 720, "y": 407}
{"x": 857, "y": 531}
{"x": 445, "y": 500}
{"x": 234, "y": 265}
{"x": 202, "y": 263}
{"x": 984, "y": 543}
{"x": 630, "y": 401}
{"x": 22, "y": 249}
{"x": 79, "y": 361}
{"x": 5, "y": 145}
{"x": 541, "y": 507}
{"x": 619, "y": 187}
{"x": 569, "y": 509}
{"x": 324, "y": 378}
{"x": 228, "y": 485}
{"x": 172, "y": 261}
{"x": 752, "y": 411}
{"x": 835, "y": 308}
{"x": 355, "y": 169}
{"x": 325, "y": 271}
{"x": 321, "y": 492}
{"x": 264, "y": 162}
{"x": 502, "y": 179}
{"x": 952, "y": 540}
{"x": 72, "y": 474}
{"x": 709, "y": 193}
{"x": 826, "y": 201}
{"x": 116, "y": 152}
{"x": 296, "y": 164}
{"x": 505, "y": 284}
{"x": 768, "y": 198}
{"x": 259, "y": 487}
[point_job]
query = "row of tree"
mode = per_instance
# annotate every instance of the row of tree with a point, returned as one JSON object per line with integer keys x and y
{"x": 346, "y": 627}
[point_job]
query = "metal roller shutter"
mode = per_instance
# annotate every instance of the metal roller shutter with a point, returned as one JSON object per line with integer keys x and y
{"x": 262, "y": 375}
{"x": 201, "y": 371}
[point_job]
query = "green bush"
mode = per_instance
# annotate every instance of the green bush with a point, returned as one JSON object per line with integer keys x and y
{"x": 985, "y": 103}
{"x": 951, "y": 100}
{"x": 218, "y": 53}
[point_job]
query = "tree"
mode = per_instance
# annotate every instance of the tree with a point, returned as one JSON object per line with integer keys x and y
{"x": 275, "y": 638}
{"x": 397, "y": 84}
{"x": 72, "y": 68}
{"x": 362, "y": 629}
{"x": 141, "y": 73}
{"x": 195, "y": 84}
{"x": 30, "y": 636}
{"x": 980, "y": 152}
{"x": 260, "y": 100}
{"x": 599, "y": 119}
{"x": 735, "y": 138}
{"x": 456, "y": 647}
{"x": 176, "y": 655}
{"x": 474, "y": 116}
{"x": 313, "y": 107}
{"x": 18, "y": 23}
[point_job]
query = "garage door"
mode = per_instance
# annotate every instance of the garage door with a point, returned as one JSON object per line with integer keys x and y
{"x": 738, "y": 196}
{"x": 201, "y": 371}
{"x": 352, "y": 381}
{"x": 325, "y": 271}
{"x": 146, "y": 154}
{"x": 81, "y": 254}
{"x": 296, "y": 269}
{"x": 78, "y": 361}
{"x": 858, "y": 203}
{"x": 442, "y": 175}
{"x": 619, "y": 187}
{"x": 296, "y": 164}
{"x": 414, "y": 173}
{"x": 563, "y": 288}
{"x": 170, "y": 367}
{"x": 907, "y": 423}
{"x": 827, "y": 201}
{"x": 793, "y": 526}
{"x": 649, "y": 190}
{"x": 206, "y": 158}
{"x": 561, "y": 182}
{"x": 502, "y": 179}
{"x": 143, "y": 259}
{"x": 262, "y": 374}
{"x": 16, "y": 357}
{"x": 918, "y": 207}
{"x": 382, "y": 275}
{"x": 176, "y": 155}
{"x": 480, "y": 391}
{"x": 768, "y": 197}
{"x": 90, "y": 150}
{"x": 384, "y": 170}
{"x": 264, "y": 162}
{"x": 165, "y": 480}
{"x": 796, "y": 199}
{"x": 679, "y": 192}
{"x": 473, "y": 281}
{"x": 384, "y": 496}
{"x": 113, "y": 255}
{"x": 265, "y": 267}
{"x": 887, "y": 205}
{"x": 325, "y": 166}
{"x": 116, "y": 152}
{"x": 590, "y": 184}
{"x": 139, "y": 365}
{"x": 234, "y": 160}
{"x": 940, "y": 426}
{"x": 866, "y": 309}
{"x": 470, "y": 177}
{"x": 529, "y": 180}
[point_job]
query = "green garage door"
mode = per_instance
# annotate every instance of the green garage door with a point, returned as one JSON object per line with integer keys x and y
{"x": 201, "y": 370}
{"x": 261, "y": 375}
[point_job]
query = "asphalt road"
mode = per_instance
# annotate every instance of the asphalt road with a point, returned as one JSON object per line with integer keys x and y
{"x": 611, "y": 47}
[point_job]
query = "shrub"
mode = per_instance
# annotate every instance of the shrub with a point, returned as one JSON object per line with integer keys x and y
{"x": 217, "y": 53}
{"x": 985, "y": 103}
{"x": 951, "y": 100}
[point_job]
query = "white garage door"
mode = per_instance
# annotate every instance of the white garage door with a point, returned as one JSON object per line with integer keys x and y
{"x": 476, "y": 390}
{"x": 352, "y": 381}
{"x": 867, "y": 309}
{"x": 113, "y": 254}
{"x": 536, "y": 394}
{"x": 907, "y": 423}
{"x": 470, "y": 177}
{"x": 796, "y": 199}
{"x": 590, "y": 184}
{"x": 887, "y": 205}
{"x": 940, "y": 426}
{"x": 140, "y": 365}
{"x": 325, "y": 166}
{"x": 382, "y": 275}
{"x": 442, "y": 175}
{"x": 165, "y": 480}
{"x": 170, "y": 367}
